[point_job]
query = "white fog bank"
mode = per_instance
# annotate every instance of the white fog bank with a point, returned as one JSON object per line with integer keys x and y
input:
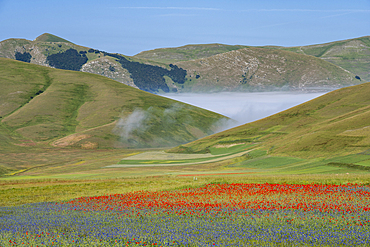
{"x": 245, "y": 107}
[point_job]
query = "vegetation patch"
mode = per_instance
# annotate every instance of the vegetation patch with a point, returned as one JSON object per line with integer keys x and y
{"x": 68, "y": 60}
{"x": 24, "y": 57}
{"x": 151, "y": 78}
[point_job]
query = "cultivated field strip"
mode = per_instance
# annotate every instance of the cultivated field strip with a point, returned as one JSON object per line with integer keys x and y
{"x": 168, "y": 158}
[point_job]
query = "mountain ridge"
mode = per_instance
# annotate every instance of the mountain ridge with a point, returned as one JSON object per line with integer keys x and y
{"x": 178, "y": 69}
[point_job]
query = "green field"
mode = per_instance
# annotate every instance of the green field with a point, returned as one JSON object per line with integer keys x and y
{"x": 74, "y": 173}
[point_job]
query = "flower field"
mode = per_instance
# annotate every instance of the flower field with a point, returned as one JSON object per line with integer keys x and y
{"x": 211, "y": 215}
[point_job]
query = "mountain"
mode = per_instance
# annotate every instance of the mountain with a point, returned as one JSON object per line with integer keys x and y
{"x": 262, "y": 69}
{"x": 194, "y": 68}
{"x": 47, "y": 106}
{"x": 352, "y": 54}
{"x": 52, "y": 51}
{"x": 334, "y": 124}
{"x": 47, "y": 37}
{"x": 186, "y": 53}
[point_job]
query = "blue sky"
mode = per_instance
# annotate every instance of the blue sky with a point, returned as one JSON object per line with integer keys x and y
{"x": 129, "y": 27}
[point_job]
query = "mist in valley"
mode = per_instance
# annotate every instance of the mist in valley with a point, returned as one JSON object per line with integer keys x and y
{"x": 241, "y": 108}
{"x": 245, "y": 107}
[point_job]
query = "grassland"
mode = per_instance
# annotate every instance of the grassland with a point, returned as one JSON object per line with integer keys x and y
{"x": 68, "y": 174}
{"x": 18, "y": 192}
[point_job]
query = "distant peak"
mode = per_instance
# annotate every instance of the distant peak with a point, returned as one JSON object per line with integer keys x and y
{"x": 47, "y": 37}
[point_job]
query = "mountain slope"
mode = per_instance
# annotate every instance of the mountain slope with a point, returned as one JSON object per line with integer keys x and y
{"x": 261, "y": 69}
{"x": 52, "y": 51}
{"x": 186, "y": 53}
{"x": 40, "y": 105}
{"x": 197, "y": 68}
{"x": 352, "y": 54}
{"x": 47, "y": 37}
{"x": 334, "y": 124}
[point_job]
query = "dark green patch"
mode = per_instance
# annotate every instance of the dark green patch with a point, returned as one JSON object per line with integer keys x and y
{"x": 24, "y": 57}
{"x": 68, "y": 60}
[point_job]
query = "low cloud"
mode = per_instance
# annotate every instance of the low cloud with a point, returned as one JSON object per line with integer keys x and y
{"x": 153, "y": 125}
{"x": 133, "y": 122}
{"x": 244, "y": 107}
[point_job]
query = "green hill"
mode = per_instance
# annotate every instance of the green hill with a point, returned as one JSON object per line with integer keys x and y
{"x": 335, "y": 124}
{"x": 47, "y": 37}
{"x": 44, "y": 106}
{"x": 352, "y": 54}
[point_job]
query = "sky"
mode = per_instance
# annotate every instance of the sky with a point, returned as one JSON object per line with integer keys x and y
{"x": 129, "y": 27}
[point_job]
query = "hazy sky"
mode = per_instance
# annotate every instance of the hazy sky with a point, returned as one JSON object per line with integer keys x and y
{"x": 129, "y": 27}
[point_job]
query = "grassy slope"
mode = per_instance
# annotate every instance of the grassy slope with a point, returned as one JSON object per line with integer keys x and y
{"x": 42, "y": 105}
{"x": 262, "y": 69}
{"x": 352, "y": 55}
{"x": 185, "y": 53}
{"x": 47, "y": 37}
{"x": 334, "y": 124}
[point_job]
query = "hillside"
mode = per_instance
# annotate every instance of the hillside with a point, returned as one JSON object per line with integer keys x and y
{"x": 186, "y": 53}
{"x": 47, "y": 37}
{"x": 260, "y": 69}
{"x": 191, "y": 68}
{"x": 46, "y": 106}
{"x": 51, "y": 51}
{"x": 334, "y": 124}
{"x": 352, "y": 54}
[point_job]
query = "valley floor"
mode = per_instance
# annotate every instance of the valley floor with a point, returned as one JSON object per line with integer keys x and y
{"x": 69, "y": 173}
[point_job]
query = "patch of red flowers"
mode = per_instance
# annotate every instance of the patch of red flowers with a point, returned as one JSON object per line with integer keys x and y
{"x": 218, "y": 197}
